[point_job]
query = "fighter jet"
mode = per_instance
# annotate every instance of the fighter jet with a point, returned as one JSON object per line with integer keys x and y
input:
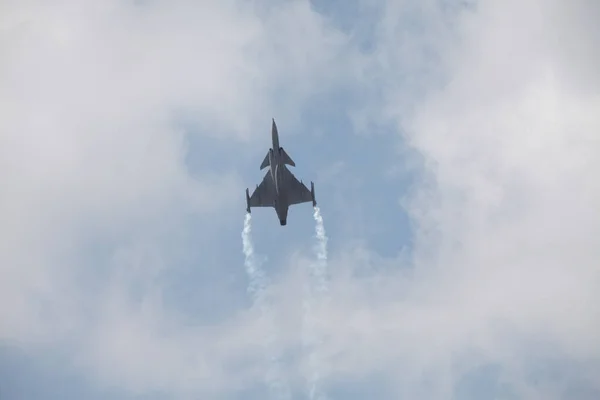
{"x": 279, "y": 188}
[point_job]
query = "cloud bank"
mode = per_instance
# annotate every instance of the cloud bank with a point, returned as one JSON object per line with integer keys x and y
{"x": 104, "y": 105}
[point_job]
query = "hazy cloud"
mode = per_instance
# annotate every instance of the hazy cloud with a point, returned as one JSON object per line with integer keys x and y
{"x": 103, "y": 103}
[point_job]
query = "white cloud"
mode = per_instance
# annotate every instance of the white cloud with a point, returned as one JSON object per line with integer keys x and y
{"x": 506, "y": 223}
{"x": 507, "y": 226}
{"x": 92, "y": 155}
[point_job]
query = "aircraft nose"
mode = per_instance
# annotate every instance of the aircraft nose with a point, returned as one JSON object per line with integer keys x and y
{"x": 283, "y": 222}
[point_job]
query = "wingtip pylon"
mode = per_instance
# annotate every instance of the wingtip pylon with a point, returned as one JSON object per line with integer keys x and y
{"x": 247, "y": 201}
{"x": 312, "y": 193}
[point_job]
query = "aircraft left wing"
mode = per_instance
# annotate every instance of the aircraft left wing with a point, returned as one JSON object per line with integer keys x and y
{"x": 263, "y": 195}
{"x": 297, "y": 191}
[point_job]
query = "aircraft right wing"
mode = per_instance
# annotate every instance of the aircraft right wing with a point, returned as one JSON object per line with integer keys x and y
{"x": 298, "y": 192}
{"x": 263, "y": 195}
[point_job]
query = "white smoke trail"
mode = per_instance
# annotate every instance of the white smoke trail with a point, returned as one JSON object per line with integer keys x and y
{"x": 257, "y": 287}
{"x": 317, "y": 294}
{"x": 320, "y": 268}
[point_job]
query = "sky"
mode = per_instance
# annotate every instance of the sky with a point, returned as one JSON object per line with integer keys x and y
{"x": 454, "y": 148}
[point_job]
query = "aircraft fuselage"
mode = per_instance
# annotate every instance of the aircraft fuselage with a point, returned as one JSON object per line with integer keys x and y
{"x": 278, "y": 172}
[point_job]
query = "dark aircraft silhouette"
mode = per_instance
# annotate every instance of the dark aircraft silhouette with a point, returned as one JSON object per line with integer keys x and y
{"x": 279, "y": 188}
